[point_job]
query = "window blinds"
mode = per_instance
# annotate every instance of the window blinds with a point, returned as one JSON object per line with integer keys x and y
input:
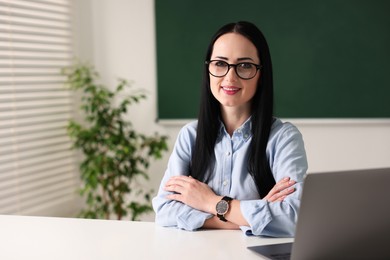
{"x": 37, "y": 168}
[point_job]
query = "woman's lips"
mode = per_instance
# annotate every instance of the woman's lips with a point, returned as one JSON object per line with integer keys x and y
{"x": 230, "y": 90}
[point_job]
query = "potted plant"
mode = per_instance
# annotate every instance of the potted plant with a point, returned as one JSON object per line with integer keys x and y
{"x": 115, "y": 155}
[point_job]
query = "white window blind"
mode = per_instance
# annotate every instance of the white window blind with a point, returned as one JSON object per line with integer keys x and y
{"x": 38, "y": 175}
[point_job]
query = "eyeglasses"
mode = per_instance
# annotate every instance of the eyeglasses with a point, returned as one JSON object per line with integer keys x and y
{"x": 244, "y": 70}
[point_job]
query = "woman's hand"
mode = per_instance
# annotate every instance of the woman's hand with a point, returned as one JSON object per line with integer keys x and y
{"x": 281, "y": 189}
{"x": 192, "y": 192}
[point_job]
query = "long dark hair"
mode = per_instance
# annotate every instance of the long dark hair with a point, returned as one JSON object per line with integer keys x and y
{"x": 262, "y": 115}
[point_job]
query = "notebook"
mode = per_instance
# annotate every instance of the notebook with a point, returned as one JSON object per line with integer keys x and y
{"x": 343, "y": 215}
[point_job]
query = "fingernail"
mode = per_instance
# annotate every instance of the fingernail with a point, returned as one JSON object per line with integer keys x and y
{"x": 286, "y": 178}
{"x": 291, "y": 182}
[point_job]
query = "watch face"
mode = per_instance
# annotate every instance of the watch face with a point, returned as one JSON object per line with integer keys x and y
{"x": 222, "y": 207}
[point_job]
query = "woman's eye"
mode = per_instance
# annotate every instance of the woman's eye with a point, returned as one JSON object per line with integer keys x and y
{"x": 245, "y": 65}
{"x": 220, "y": 64}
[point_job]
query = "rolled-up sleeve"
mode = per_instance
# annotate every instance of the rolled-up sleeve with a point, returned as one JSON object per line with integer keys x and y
{"x": 287, "y": 158}
{"x": 171, "y": 213}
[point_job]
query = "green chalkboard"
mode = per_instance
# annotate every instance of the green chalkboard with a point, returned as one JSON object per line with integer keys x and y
{"x": 331, "y": 59}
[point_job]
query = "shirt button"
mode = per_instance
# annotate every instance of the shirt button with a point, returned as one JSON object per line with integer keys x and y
{"x": 228, "y": 153}
{"x": 245, "y": 136}
{"x": 225, "y": 183}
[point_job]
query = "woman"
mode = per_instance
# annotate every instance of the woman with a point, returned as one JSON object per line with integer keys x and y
{"x": 237, "y": 166}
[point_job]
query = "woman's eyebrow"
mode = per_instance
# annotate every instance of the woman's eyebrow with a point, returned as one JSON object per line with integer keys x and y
{"x": 239, "y": 59}
{"x": 244, "y": 58}
{"x": 222, "y": 58}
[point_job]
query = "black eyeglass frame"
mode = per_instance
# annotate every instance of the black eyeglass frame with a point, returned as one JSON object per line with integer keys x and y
{"x": 258, "y": 67}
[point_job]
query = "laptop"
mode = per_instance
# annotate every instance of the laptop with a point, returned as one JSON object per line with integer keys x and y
{"x": 343, "y": 215}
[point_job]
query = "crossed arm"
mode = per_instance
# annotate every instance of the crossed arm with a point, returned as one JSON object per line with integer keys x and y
{"x": 200, "y": 196}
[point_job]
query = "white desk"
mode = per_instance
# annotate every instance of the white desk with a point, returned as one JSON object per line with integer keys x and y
{"x": 80, "y": 239}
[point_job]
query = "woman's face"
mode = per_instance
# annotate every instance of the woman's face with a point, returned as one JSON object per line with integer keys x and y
{"x": 230, "y": 90}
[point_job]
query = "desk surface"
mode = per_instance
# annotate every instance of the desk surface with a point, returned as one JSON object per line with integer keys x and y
{"x": 44, "y": 238}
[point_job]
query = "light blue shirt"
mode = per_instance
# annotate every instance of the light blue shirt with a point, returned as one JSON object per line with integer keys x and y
{"x": 287, "y": 158}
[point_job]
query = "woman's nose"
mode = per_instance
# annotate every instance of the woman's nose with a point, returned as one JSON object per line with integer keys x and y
{"x": 231, "y": 75}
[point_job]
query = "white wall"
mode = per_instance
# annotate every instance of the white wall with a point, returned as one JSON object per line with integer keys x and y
{"x": 118, "y": 36}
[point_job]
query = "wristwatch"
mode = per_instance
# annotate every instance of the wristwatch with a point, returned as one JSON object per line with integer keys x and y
{"x": 222, "y": 207}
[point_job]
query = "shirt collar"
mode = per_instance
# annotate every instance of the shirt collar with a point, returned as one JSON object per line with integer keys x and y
{"x": 244, "y": 131}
